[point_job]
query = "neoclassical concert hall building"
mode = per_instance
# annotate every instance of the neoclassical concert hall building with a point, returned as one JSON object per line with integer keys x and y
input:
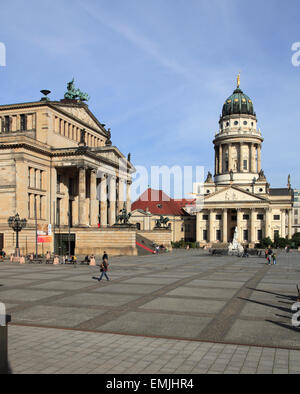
{"x": 239, "y": 194}
{"x": 60, "y": 172}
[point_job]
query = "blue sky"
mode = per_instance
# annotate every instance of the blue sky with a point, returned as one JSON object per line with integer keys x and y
{"x": 159, "y": 71}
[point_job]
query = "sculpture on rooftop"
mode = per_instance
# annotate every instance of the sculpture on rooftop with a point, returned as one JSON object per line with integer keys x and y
{"x": 75, "y": 94}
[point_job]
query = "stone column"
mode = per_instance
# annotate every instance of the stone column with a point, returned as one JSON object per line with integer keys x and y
{"x": 253, "y": 159}
{"x": 241, "y": 157}
{"x": 290, "y": 230}
{"x": 112, "y": 201}
{"x": 32, "y": 207}
{"x": 230, "y": 157}
{"x": 239, "y": 222}
{"x": 268, "y": 223}
{"x": 82, "y": 197}
{"x": 220, "y": 159}
{"x": 216, "y": 161}
{"x": 283, "y": 221}
{"x": 128, "y": 196}
{"x": 103, "y": 201}
{"x": 253, "y": 219}
{"x": 121, "y": 194}
{"x": 259, "y": 158}
{"x": 225, "y": 226}
{"x": 38, "y": 206}
{"x": 211, "y": 226}
{"x": 94, "y": 206}
{"x": 198, "y": 227}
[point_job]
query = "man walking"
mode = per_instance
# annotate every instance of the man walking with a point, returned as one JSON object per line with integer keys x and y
{"x": 104, "y": 269}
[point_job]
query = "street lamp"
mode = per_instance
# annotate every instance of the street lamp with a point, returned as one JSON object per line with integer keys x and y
{"x": 17, "y": 225}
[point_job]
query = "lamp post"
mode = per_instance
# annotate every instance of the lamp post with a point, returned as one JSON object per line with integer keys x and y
{"x": 17, "y": 225}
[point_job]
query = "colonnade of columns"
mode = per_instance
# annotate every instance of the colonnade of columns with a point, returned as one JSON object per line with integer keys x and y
{"x": 97, "y": 200}
{"x": 112, "y": 198}
{"x": 253, "y": 160}
{"x": 266, "y": 227}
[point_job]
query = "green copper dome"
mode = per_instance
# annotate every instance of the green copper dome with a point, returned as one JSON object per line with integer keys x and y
{"x": 238, "y": 103}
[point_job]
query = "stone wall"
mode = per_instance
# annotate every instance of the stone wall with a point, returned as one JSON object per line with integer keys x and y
{"x": 159, "y": 237}
{"x": 114, "y": 241}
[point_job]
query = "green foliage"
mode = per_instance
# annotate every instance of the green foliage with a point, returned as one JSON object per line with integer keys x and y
{"x": 266, "y": 242}
{"x": 281, "y": 243}
{"x": 296, "y": 240}
{"x": 182, "y": 244}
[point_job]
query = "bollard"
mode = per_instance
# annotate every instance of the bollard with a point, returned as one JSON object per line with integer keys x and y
{"x": 4, "y": 366}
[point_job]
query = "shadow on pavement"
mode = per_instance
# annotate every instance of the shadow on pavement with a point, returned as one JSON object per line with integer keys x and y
{"x": 268, "y": 305}
{"x": 283, "y": 325}
{"x": 290, "y": 297}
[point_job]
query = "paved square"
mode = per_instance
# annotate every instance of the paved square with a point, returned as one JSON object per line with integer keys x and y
{"x": 187, "y": 295}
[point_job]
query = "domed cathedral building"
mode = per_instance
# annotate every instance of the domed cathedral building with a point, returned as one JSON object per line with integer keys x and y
{"x": 239, "y": 195}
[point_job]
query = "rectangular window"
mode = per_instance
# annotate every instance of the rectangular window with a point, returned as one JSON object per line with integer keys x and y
{"x": 296, "y": 212}
{"x": 259, "y": 235}
{"x": 41, "y": 207}
{"x": 23, "y": 122}
{"x": 205, "y": 217}
{"x": 260, "y": 217}
{"x": 6, "y": 124}
{"x": 205, "y": 235}
{"x": 58, "y": 181}
{"x": 246, "y": 235}
{"x": 71, "y": 187}
{"x": 218, "y": 235}
{"x": 35, "y": 178}
{"x": 276, "y": 217}
{"x": 41, "y": 180}
{"x": 245, "y": 165}
{"x": 234, "y": 218}
{"x": 218, "y": 217}
{"x": 246, "y": 217}
{"x": 58, "y": 212}
{"x": 29, "y": 212}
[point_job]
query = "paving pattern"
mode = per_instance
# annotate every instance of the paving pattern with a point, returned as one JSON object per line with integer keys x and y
{"x": 222, "y": 313}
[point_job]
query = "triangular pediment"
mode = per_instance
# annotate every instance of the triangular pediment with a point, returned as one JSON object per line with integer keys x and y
{"x": 233, "y": 194}
{"x": 81, "y": 113}
{"x": 112, "y": 154}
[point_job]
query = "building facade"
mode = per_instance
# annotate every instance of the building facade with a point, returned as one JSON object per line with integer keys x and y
{"x": 296, "y": 211}
{"x": 153, "y": 204}
{"x": 60, "y": 171}
{"x": 239, "y": 195}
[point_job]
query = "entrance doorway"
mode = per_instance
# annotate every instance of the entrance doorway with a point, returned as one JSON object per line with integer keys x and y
{"x": 1, "y": 241}
{"x": 61, "y": 244}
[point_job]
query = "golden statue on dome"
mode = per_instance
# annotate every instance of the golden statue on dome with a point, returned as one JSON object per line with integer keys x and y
{"x": 239, "y": 80}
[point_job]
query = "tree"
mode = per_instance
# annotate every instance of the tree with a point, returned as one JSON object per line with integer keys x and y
{"x": 266, "y": 242}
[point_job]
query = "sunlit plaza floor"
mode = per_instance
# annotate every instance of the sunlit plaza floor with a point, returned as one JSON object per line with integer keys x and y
{"x": 184, "y": 312}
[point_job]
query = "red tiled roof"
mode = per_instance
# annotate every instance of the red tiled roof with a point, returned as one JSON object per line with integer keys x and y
{"x": 159, "y": 203}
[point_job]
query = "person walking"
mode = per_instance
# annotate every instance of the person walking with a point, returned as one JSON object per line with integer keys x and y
{"x": 105, "y": 257}
{"x": 269, "y": 255}
{"x": 274, "y": 258}
{"x": 104, "y": 269}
